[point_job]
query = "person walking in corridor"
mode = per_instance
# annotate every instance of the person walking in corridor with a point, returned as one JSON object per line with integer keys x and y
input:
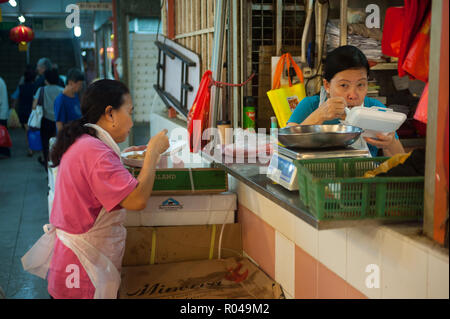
{"x": 47, "y": 95}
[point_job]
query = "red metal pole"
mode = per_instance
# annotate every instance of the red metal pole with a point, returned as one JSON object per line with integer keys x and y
{"x": 170, "y": 19}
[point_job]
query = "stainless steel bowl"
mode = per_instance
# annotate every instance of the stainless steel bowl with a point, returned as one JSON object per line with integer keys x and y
{"x": 318, "y": 136}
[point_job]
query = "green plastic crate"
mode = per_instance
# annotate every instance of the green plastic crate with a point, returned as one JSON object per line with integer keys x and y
{"x": 335, "y": 189}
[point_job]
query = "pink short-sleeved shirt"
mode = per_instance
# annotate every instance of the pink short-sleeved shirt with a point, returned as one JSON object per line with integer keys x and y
{"x": 90, "y": 176}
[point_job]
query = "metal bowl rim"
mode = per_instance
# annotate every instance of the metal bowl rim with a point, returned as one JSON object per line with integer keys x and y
{"x": 359, "y": 130}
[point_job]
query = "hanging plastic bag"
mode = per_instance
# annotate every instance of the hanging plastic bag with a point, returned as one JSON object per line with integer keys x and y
{"x": 284, "y": 100}
{"x": 34, "y": 139}
{"x": 422, "y": 108}
{"x": 34, "y": 121}
{"x": 198, "y": 117}
{"x": 392, "y": 31}
{"x": 13, "y": 120}
{"x": 5, "y": 139}
{"x": 417, "y": 61}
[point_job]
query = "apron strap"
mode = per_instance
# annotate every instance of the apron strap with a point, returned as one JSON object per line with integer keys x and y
{"x": 37, "y": 260}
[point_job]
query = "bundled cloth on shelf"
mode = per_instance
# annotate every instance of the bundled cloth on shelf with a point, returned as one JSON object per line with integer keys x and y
{"x": 362, "y": 30}
{"x": 371, "y": 47}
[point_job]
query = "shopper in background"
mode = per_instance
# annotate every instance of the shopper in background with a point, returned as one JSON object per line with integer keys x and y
{"x": 92, "y": 190}
{"x": 4, "y": 113}
{"x": 24, "y": 102}
{"x": 15, "y": 95}
{"x": 62, "y": 78}
{"x": 42, "y": 65}
{"x": 67, "y": 104}
{"x": 47, "y": 95}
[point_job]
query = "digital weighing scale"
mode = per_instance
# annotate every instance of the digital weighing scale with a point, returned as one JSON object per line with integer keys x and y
{"x": 283, "y": 171}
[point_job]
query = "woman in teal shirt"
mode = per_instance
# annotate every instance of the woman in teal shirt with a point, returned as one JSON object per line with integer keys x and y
{"x": 345, "y": 84}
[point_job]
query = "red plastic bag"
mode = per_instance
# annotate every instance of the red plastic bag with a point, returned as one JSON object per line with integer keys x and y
{"x": 415, "y": 13}
{"x": 198, "y": 117}
{"x": 392, "y": 31}
{"x": 422, "y": 108}
{"x": 417, "y": 61}
{"x": 5, "y": 139}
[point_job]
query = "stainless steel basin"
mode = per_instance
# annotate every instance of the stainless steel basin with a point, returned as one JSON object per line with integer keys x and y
{"x": 318, "y": 136}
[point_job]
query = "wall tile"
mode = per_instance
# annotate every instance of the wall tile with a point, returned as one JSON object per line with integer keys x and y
{"x": 363, "y": 249}
{"x": 258, "y": 240}
{"x": 276, "y": 216}
{"x": 438, "y": 279}
{"x": 306, "y": 237}
{"x": 330, "y": 285}
{"x": 332, "y": 250}
{"x": 306, "y": 275}
{"x": 285, "y": 263}
{"x": 403, "y": 269}
{"x": 287, "y": 295}
{"x": 353, "y": 293}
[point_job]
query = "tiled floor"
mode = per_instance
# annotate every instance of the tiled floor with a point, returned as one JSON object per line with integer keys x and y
{"x": 23, "y": 212}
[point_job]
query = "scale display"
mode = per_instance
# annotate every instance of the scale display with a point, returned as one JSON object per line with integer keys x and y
{"x": 283, "y": 171}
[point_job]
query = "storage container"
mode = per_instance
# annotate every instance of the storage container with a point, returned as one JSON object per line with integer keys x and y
{"x": 375, "y": 119}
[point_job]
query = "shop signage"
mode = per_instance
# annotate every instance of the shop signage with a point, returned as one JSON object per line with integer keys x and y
{"x": 95, "y": 6}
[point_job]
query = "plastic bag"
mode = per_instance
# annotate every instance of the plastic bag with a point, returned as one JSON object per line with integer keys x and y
{"x": 34, "y": 139}
{"x": 392, "y": 31}
{"x": 5, "y": 139}
{"x": 13, "y": 120}
{"x": 249, "y": 145}
{"x": 284, "y": 100}
{"x": 417, "y": 61}
{"x": 395, "y": 160}
{"x": 34, "y": 121}
{"x": 422, "y": 108}
{"x": 198, "y": 117}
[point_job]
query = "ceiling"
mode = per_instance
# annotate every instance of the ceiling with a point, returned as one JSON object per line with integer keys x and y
{"x": 47, "y": 17}
{"x": 42, "y": 8}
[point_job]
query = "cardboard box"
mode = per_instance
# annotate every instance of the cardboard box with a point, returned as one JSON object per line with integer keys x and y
{"x": 155, "y": 245}
{"x": 185, "y": 210}
{"x": 170, "y": 181}
{"x": 231, "y": 278}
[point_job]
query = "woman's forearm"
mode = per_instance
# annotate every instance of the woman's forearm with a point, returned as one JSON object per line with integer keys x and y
{"x": 395, "y": 148}
{"x": 314, "y": 118}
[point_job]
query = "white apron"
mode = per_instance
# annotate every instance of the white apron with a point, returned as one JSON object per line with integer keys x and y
{"x": 100, "y": 250}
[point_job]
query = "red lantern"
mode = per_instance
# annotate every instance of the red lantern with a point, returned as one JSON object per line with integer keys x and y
{"x": 21, "y": 34}
{"x": 3, "y": 1}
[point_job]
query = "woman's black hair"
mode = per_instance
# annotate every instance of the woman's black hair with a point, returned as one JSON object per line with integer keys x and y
{"x": 51, "y": 76}
{"x": 29, "y": 75}
{"x": 97, "y": 97}
{"x": 344, "y": 58}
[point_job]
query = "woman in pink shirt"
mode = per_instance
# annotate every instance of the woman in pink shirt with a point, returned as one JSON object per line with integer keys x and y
{"x": 81, "y": 251}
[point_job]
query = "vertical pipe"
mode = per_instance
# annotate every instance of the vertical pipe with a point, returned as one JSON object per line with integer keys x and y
{"x": 116, "y": 36}
{"x": 235, "y": 62}
{"x": 279, "y": 26}
{"x": 216, "y": 63}
{"x": 343, "y": 22}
